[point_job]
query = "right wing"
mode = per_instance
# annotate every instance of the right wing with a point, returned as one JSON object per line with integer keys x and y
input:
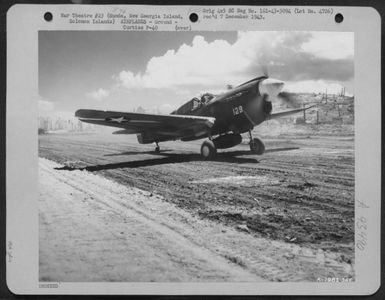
{"x": 288, "y": 112}
{"x": 172, "y": 125}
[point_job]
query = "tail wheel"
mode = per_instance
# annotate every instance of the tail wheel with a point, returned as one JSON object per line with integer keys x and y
{"x": 208, "y": 150}
{"x": 257, "y": 146}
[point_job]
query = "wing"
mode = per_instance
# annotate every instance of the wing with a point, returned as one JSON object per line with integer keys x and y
{"x": 288, "y": 112}
{"x": 172, "y": 125}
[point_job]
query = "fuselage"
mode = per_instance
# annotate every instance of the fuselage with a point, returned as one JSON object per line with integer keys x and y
{"x": 222, "y": 118}
{"x": 237, "y": 110}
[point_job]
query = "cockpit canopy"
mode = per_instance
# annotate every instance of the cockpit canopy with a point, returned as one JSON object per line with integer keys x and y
{"x": 195, "y": 103}
{"x": 202, "y": 100}
{"x": 207, "y": 97}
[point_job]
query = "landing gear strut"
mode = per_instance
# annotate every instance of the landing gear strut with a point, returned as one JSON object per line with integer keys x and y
{"x": 256, "y": 145}
{"x": 157, "y": 148}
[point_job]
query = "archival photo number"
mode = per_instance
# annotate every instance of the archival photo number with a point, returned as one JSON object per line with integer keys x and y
{"x": 193, "y": 150}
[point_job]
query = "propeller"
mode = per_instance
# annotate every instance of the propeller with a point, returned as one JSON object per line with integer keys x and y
{"x": 289, "y": 99}
{"x": 271, "y": 87}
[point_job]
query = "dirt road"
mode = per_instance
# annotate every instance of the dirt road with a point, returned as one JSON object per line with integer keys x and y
{"x": 285, "y": 216}
{"x": 92, "y": 229}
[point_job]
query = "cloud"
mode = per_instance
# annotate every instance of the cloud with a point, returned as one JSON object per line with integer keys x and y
{"x": 201, "y": 63}
{"x": 196, "y": 64}
{"x": 99, "y": 94}
{"x": 291, "y": 56}
{"x": 309, "y": 56}
{"x": 45, "y": 106}
{"x": 331, "y": 45}
{"x": 48, "y": 109}
{"x": 292, "y": 66}
{"x": 314, "y": 86}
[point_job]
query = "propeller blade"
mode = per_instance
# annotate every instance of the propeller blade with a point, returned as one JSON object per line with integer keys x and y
{"x": 289, "y": 99}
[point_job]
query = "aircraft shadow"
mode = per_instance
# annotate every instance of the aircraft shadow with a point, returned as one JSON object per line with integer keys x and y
{"x": 137, "y": 152}
{"x": 167, "y": 159}
{"x": 171, "y": 158}
{"x": 234, "y": 153}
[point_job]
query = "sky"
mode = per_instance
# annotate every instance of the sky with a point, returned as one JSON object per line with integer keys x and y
{"x": 159, "y": 71}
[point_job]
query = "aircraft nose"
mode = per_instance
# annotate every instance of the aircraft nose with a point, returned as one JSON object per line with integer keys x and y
{"x": 271, "y": 87}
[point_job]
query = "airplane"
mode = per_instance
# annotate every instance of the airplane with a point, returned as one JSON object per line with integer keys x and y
{"x": 220, "y": 118}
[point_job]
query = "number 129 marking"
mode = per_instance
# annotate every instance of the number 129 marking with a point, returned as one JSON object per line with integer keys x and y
{"x": 237, "y": 110}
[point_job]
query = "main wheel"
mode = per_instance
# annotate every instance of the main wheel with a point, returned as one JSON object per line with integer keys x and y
{"x": 257, "y": 146}
{"x": 157, "y": 149}
{"x": 208, "y": 150}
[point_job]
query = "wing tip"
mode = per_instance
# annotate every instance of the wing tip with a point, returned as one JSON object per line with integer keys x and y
{"x": 83, "y": 113}
{"x": 78, "y": 113}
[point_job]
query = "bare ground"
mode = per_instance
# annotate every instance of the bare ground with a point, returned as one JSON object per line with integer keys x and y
{"x": 92, "y": 229}
{"x": 285, "y": 216}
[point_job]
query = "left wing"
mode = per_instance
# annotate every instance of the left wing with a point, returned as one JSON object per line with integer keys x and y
{"x": 173, "y": 125}
{"x": 288, "y": 112}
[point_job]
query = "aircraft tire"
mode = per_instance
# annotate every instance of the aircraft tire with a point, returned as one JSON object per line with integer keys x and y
{"x": 257, "y": 146}
{"x": 208, "y": 150}
{"x": 157, "y": 149}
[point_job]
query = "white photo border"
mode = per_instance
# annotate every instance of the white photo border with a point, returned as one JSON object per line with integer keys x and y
{"x": 23, "y": 24}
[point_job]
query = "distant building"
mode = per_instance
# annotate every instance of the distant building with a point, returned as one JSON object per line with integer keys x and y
{"x": 140, "y": 110}
{"x": 67, "y": 124}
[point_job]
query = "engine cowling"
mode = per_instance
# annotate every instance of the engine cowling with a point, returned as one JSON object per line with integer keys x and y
{"x": 227, "y": 140}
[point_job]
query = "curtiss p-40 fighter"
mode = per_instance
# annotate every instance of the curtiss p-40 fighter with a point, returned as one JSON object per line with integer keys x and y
{"x": 220, "y": 118}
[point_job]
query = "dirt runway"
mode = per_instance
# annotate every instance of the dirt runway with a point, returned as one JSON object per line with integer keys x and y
{"x": 285, "y": 216}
